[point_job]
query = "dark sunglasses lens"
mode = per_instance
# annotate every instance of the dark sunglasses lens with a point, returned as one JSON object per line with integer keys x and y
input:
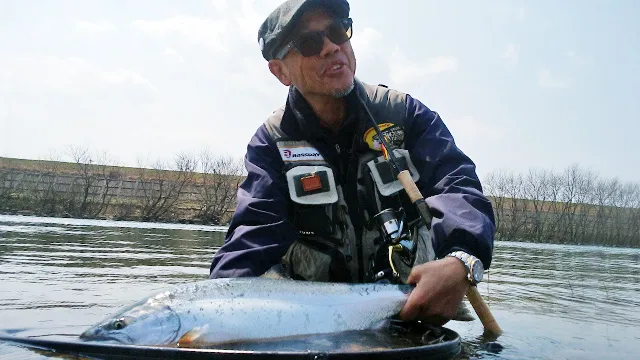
{"x": 339, "y": 32}
{"x": 310, "y": 44}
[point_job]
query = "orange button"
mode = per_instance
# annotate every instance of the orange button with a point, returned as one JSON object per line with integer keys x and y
{"x": 311, "y": 182}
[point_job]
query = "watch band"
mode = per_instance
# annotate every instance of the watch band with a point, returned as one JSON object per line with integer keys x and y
{"x": 474, "y": 266}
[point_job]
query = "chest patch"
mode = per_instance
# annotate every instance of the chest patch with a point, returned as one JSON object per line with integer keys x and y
{"x": 299, "y": 153}
{"x": 392, "y": 132}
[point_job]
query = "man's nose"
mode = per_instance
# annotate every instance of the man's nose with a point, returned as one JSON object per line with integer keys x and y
{"x": 329, "y": 47}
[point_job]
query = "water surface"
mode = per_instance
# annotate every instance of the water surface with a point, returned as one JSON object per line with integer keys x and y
{"x": 60, "y": 276}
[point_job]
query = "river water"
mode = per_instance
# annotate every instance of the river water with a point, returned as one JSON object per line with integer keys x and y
{"x": 59, "y": 276}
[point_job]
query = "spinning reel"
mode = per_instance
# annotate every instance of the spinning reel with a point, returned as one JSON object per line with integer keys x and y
{"x": 395, "y": 237}
{"x": 390, "y": 219}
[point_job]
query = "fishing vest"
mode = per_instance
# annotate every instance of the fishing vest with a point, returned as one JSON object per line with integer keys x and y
{"x": 327, "y": 248}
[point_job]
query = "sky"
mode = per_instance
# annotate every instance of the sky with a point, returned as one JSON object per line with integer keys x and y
{"x": 521, "y": 84}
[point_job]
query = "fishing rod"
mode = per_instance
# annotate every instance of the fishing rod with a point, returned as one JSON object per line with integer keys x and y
{"x": 473, "y": 295}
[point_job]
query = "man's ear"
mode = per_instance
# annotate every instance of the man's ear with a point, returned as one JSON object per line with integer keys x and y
{"x": 279, "y": 70}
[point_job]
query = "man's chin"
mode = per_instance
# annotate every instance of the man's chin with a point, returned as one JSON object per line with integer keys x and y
{"x": 343, "y": 90}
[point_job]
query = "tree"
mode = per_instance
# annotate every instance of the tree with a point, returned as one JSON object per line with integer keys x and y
{"x": 575, "y": 206}
{"x": 161, "y": 186}
{"x": 44, "y": 188}
{"x": 496, "y": 188}
{"x": 221, "y": 177}
{"x": 88, "y": 192}
{"x": 537, "y": 192}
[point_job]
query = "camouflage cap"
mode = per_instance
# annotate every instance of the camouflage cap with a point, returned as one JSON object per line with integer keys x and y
{"x": 275, "y": 32}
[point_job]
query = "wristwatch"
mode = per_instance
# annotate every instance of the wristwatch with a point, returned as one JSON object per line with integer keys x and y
{"x": 475, "y": 269}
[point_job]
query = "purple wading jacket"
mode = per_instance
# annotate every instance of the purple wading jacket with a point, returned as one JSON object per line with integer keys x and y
{"x": 260, "y": 231}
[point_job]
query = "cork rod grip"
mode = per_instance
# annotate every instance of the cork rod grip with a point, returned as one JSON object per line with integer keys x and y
{"x": 409, "y": 186}
{"x": 482, "y": 310}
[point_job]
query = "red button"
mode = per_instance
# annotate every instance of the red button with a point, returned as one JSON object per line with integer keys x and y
{"x": 311, "y": 183}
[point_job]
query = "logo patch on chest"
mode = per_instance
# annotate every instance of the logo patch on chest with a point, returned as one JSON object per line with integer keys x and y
{"x": 300, "y": 153}
{"x": 392, "y": 132}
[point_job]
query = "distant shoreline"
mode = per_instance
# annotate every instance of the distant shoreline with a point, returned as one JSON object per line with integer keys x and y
{"x": 572, "y": 207}
{"x": 86, "y": 190}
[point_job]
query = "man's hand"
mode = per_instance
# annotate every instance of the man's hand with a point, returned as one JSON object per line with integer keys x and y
{"x": 440, "y": 287}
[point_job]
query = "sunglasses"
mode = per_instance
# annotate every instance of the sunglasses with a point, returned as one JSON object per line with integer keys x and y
{"x": 310, "y": 43}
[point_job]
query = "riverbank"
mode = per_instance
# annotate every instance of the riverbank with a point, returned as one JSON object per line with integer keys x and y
{"x": 189, "y": 191}
{"x": 570, "y": 207}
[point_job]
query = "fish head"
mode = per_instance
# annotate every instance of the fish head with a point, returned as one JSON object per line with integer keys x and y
{"x": 149, "y": 322}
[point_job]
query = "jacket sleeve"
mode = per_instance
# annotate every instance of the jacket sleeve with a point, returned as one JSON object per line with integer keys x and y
{"x": 259, "y": 233}
{"x": 463, "y": 217}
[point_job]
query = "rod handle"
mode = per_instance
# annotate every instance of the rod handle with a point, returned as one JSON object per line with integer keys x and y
{"x": 482, "y": 310}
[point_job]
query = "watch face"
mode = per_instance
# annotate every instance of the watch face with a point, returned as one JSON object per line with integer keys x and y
{"x": 477, "y": 271}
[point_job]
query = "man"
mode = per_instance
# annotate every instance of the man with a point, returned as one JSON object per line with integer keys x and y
{"x": 314, "y": 194}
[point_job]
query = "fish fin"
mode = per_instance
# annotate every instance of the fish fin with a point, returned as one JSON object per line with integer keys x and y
{"x": 463, "y": 313}
{"x": 191, "y": 337}
{"x": 277, "y": 272}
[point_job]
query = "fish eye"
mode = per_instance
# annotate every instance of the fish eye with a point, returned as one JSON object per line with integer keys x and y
{"x": 119, "y": 324}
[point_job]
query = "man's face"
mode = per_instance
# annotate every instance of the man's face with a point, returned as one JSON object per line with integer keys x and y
{"x": 329, "y": 73}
